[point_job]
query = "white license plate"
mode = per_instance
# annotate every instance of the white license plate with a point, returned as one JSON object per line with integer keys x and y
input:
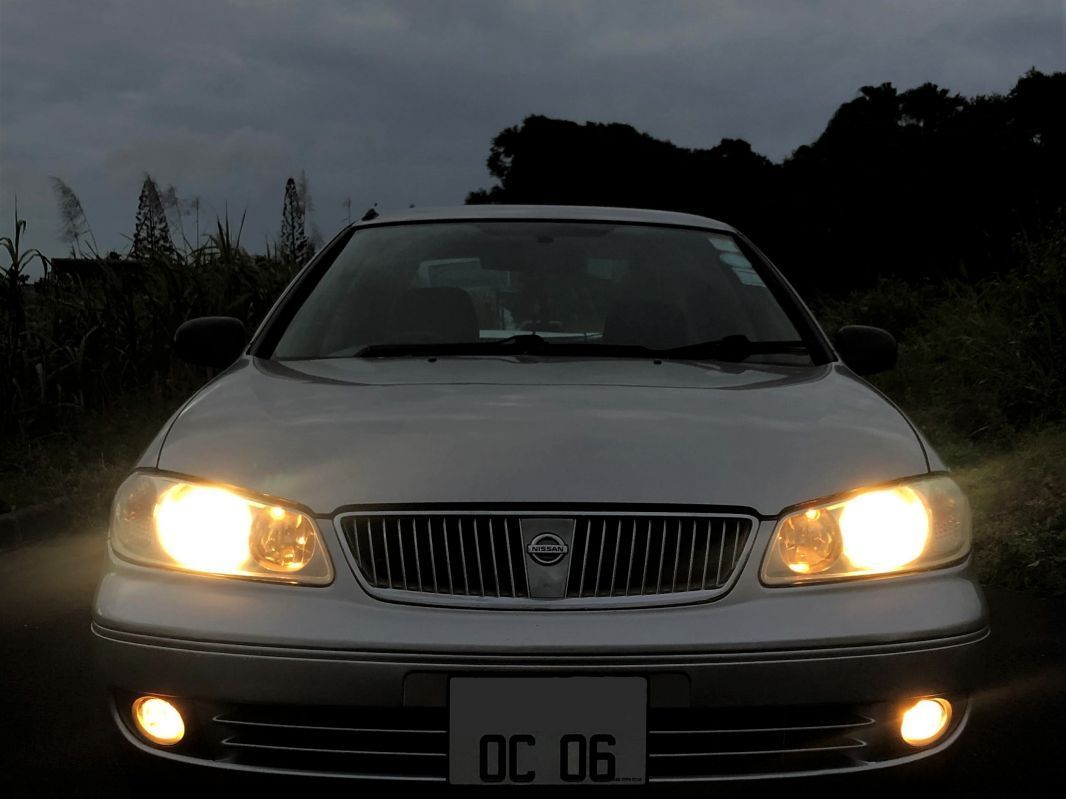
{"x": 547, "y": 730}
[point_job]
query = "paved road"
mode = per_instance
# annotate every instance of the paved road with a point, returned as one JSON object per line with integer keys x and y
{"x": 58, "y": 738}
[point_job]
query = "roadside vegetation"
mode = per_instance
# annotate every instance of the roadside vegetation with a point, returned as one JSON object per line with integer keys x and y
{"x": 85, "y": 351}
{"x": 977, "y": 299}
{"x": 982, "y": 371}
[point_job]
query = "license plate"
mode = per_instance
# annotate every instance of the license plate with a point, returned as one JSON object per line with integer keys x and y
{"x": 547, "y": 730}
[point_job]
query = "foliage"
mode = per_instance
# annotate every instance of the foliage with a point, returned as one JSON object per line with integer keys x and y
{"x": 74, "y": 225}
{"x": 151, "y": 237}
{"x": 13, "y": 280}
{"x": 979, "y": 362}
{"x": 93, "y": 337}
{"x": 292, "y": 243}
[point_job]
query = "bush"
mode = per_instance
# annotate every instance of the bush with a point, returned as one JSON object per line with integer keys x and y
{"x": 979, "y": 363}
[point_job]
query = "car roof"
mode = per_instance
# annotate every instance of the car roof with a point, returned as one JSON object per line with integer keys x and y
{"x": 567, "y": 213}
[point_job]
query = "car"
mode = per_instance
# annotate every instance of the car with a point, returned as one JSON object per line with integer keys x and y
{"x": 539, "y": 494}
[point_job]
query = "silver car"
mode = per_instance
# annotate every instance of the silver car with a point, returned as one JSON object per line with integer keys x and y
{"x": 539, "y": 495}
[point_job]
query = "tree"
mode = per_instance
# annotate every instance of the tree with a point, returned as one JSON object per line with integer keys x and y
{"x": 292, "y": 244}
{"x": 151, "y": 238}
{"x": 314, "y": 237}
{"x": 919, "y": 184}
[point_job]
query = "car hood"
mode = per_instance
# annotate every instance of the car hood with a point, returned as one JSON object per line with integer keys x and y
{"x": 340, "y": 432}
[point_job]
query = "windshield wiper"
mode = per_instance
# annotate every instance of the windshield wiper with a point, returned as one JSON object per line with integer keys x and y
{"x": 730, "y": 348}
{"x": 521, "y": 344}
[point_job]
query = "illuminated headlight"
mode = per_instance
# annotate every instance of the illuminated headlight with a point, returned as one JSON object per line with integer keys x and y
{"x": 199, "y": 527}
{"x": 920, "y": 524}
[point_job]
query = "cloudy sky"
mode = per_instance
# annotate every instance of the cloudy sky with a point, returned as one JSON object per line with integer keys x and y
{"x": 396, "y": 102}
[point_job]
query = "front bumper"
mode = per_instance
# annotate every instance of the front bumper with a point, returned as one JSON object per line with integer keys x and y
{"x": 384, "y": 716}
{"x": 763, "y": 682}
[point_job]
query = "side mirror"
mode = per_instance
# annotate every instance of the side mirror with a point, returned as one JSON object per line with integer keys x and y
{"x": 866, "y": 350}
{"x": 215, "y": 341}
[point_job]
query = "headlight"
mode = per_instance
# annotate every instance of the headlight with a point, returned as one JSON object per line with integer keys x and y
{"x": 920, "y": 524}
{"x": 199, "y": 527}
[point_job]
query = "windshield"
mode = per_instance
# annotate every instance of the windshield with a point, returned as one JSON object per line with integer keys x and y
{"x": 468, "y": 287}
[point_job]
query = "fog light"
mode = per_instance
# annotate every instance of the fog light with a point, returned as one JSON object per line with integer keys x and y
{"x": 158, "y": 720}
{"x": 925, "y": 721}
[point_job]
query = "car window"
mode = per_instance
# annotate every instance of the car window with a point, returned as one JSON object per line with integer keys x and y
{"x": 452, "y": 282}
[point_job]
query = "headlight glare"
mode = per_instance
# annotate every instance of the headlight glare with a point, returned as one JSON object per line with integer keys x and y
{"x": 918, "y": 524}
{"x": 884, "y": 530}
{"x": 203, "y": 528}
{"x": 199, "y": 527}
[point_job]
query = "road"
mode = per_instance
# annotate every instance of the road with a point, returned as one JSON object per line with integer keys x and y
{"x": 58, "y": 739}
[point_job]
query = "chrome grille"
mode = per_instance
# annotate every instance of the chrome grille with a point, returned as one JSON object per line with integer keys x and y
{"x": 481, "y": 555}
{"x": 477, "y": 556}
{"x": 631, "y": 556}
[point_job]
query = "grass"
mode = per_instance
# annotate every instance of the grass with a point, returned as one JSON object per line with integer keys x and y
{"x": 1019, "y": 501}
{"x": 88, "y": 466}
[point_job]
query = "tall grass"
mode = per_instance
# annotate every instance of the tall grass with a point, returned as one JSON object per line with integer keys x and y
{"x": 88, "y": 340}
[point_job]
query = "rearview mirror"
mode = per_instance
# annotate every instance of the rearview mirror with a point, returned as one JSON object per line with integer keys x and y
{"x": 215, "y": 341}
{"x": 866, "y": 350}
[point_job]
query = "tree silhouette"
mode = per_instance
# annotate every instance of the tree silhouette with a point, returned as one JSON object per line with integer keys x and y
{"x": 292, "y": 243}
{"x": 151, "y": 237}
{"x": 314, "y": 237}
{"x": 921, "y": 184}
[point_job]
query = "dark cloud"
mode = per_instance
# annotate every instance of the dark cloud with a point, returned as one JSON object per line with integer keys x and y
{"x": 395, "y": 102}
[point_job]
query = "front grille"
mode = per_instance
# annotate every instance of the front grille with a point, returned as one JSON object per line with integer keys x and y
{"x": 630, "y": 556}
{"x": 469, "y": 555}
{"x": 684, "y": 744}
{"x": 482, "y": 555}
